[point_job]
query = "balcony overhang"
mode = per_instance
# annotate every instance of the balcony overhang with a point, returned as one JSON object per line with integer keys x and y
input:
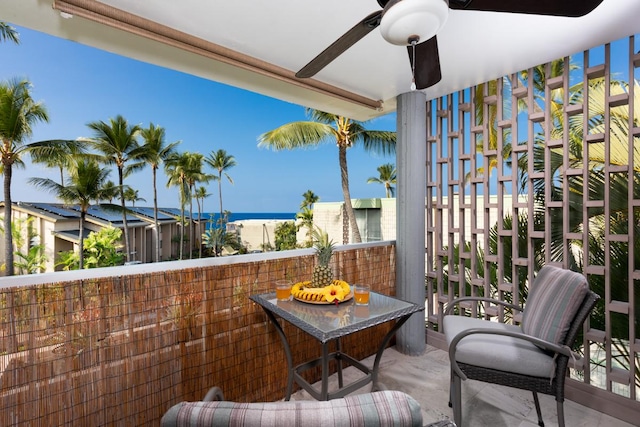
{"x": 259, "y": 46}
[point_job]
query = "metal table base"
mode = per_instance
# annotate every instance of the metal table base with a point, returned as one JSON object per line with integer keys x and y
{"x": 326, "y": 340}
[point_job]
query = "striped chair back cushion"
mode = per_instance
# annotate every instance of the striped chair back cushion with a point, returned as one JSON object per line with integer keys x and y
{"x": 554, "y": 298}
{"x": 376, "y": 409}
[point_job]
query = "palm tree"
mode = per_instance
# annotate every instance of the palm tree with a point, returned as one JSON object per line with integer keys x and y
{"x": 619, "y": 127}
{"x": 61, "y": 159}
{"x": 34, "y": 259}
{"x": 306, "y": 217}
{"x": 220, "y": 161}
{"x": 308, "y": 199}
{"x": 111, "y": 191}
{"x": 7, "y": 32}
{"x": 84, "y": 185}
{"x": 306, "y": 214}
{"x": 118, "y": 144}
{"x": 178, "y": 167}
{"x": 18, "y": 113}
{"x": 330, "y": 128}
{"x": 32, "y": 262}
{"x": 200, "y": 194}
{"x": 194, "y": 175}
{"x": 387, "y": 177}
{"x": 156, "y": 151}
{"x": 131, "y": 195}
{"x": 489, "y": 112}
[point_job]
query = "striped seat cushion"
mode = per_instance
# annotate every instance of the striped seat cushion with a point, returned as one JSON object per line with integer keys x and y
{"x": 554, "y": 298}
{"x": 382, "y": 408}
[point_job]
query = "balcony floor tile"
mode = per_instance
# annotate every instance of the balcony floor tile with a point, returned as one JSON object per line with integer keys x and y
{"x": 426, "y": 378}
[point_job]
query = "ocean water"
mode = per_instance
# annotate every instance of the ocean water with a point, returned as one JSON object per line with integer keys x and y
{"x": 238, "y": 216}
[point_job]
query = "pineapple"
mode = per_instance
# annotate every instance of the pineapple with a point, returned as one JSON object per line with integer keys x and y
{"x": 322, "y": 274}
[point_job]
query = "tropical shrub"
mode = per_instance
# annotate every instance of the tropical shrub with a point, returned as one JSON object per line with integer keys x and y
{"x": 286, "y": 236}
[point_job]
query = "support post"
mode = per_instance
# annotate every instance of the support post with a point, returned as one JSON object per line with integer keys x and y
{"x": 411, "y": 155}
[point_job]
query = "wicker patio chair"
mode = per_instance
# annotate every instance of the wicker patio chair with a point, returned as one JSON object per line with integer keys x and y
{"x": 532, "y": 356}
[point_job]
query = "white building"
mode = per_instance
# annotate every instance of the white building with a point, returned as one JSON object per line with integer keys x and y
{"x": 376, "y": 218}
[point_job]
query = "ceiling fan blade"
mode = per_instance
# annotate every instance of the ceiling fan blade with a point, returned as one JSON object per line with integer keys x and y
{"x": 427, "y": 65}
{"x": 347, "y": 40}
{"x": 569, "y": 8}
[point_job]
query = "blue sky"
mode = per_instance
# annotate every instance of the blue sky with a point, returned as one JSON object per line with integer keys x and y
{"x": 80, "y": 84}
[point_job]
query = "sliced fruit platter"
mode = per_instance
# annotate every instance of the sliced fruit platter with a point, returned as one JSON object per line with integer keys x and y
{"x": 336, "y": 292}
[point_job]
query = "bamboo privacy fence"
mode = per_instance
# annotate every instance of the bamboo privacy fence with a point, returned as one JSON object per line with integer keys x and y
{"x": 121, "y": 350}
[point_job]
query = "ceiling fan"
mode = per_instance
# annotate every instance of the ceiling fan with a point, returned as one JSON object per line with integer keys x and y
{"x": 414, "y": 23}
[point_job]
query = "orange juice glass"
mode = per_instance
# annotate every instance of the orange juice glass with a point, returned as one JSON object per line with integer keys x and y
{"x": 361, "y": 294}
{"x": 283, "y": 290}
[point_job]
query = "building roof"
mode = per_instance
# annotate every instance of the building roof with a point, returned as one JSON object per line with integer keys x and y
{"x": 52, "y": 210}
{"x": 112, "y": 214}
{"x": 147, "y": 212}
{"x": 72, "y": 235}
{"x": 99, "y": 214}
{"x": 175, "y": 212}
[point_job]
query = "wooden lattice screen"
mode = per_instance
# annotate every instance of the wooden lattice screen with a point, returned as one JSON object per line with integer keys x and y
{"x": 543, "y": 167}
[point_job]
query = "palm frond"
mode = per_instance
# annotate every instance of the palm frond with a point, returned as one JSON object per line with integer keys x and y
{"x": 297, "y": 135}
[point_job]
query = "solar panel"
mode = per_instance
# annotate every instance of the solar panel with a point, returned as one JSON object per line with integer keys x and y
{"x": 57, "y": 210}
{"x": 110, "y": 213}
{"x": 174, "y": 211}
{"x": 148, "y": 212}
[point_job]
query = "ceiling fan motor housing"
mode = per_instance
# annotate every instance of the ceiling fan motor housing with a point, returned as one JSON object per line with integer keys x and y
{"x": 405, "y": 22}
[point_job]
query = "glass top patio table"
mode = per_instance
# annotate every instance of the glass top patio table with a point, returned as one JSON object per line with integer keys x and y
{"x": 330, "y": 322}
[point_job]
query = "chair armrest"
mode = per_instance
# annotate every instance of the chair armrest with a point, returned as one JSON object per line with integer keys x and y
{"x": 479, "y": 299}
{"x": 214, "y": 395}
{"x": 546, "y": 345}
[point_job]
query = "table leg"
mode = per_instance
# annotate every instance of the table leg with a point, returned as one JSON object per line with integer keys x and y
{"x": 287, "y": 352}
{"x": 324, "y": 388}
{"x": 383, "y": 345}
{"x": 339, "y": 361}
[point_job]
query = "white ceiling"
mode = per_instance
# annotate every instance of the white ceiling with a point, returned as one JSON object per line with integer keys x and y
{"x": 474, "y": 46}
